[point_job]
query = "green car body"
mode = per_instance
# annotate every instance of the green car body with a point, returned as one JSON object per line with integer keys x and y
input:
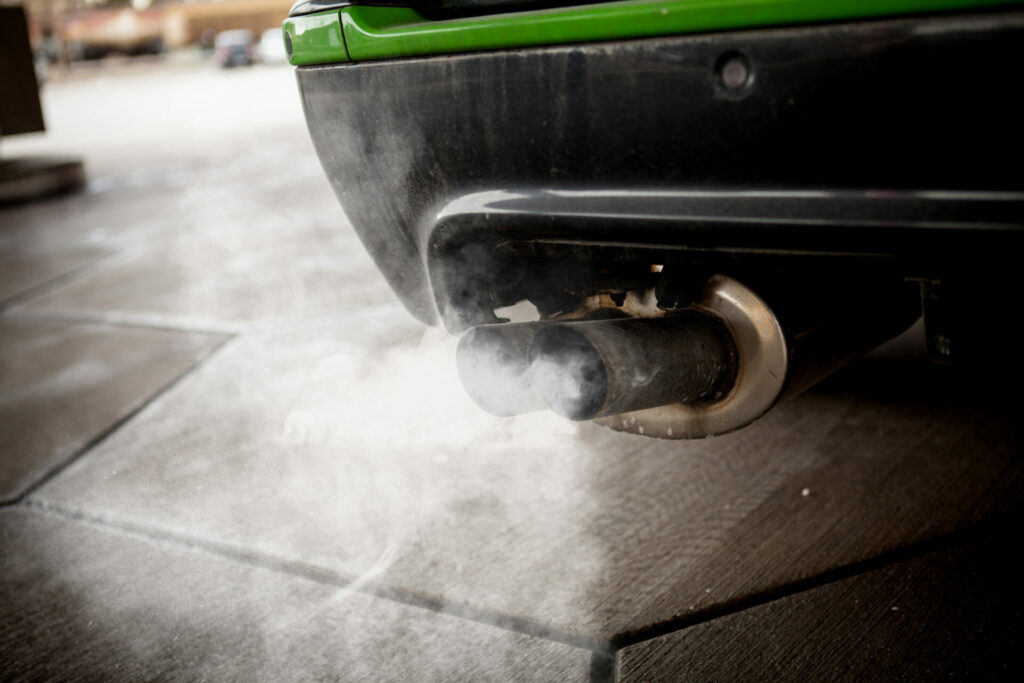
{"x": 358, "y": 33}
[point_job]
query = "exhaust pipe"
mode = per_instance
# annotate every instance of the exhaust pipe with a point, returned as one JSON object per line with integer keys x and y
{"x": 706, "y": 370}
{"x": 590, "y": 369}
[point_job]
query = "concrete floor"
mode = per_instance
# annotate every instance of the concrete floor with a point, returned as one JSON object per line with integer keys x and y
{"x": 228, "y": 453}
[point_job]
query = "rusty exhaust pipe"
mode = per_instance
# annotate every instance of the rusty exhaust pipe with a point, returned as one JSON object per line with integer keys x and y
{"x": 591, "y": 369}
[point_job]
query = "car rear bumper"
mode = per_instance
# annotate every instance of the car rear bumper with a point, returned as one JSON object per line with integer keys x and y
{"x": 894, "y": 143}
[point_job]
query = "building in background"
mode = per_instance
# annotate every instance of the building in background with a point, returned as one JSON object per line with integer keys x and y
{"x": 68, "y": 30}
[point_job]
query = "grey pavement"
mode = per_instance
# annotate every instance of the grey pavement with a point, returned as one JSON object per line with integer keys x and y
{"x": 131, "y": 608}
{"x": 63, "y": 385}
{"x": 23, "y": 272}
{"x": 228, "y": 453}
{"x": 934, "y": 616}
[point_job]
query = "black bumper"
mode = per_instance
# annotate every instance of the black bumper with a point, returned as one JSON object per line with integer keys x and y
{"x": 895, "y": 142}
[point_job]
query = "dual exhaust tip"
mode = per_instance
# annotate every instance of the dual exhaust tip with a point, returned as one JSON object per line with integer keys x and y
{"x": 592, "y": 369}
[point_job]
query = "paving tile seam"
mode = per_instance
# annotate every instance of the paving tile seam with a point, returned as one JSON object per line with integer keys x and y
{"x": 174, "y": 323}
{"x": 327, "y": 577}
{"x": 885, "y": 559}
{"x": 53, "y": 284}
{"x": 133, "y": 321}
{"x": 604, "y": 667}
{"x": 106, "y": 433}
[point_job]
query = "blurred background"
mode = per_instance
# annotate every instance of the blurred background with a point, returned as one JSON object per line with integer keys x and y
{"x": 67, "y": 32}
{"x": 201, "y": 192}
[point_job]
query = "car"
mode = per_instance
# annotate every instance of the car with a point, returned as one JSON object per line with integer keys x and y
{"x": 705, "y": 207}
{"x": 234, "y": 48}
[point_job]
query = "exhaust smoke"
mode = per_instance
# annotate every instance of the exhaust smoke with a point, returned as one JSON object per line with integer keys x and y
{"x": 493, "y": 361}
{"x": 589, "y": 369}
